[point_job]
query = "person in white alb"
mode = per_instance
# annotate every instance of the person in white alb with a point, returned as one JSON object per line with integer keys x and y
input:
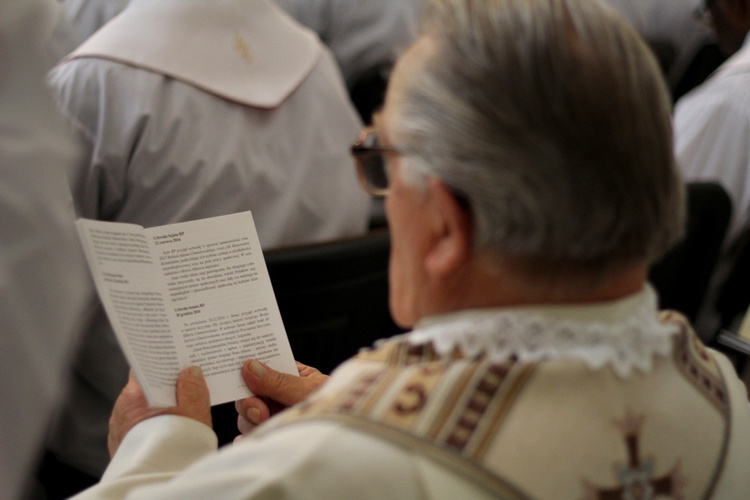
{"x": 712, "y": 135}
{"x": 89, "y": 15}
{"x": 523, "y": 223}
{"x": 361, "y": 33}
{"x": 189, "y": 109}
{"x": 44, "y": 282}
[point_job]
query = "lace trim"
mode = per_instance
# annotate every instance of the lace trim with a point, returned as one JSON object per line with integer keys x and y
{"x": 623, "y": 345}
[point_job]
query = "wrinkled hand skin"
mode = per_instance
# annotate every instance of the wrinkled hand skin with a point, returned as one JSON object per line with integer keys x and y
{"x": 131, "y": 407}
{"x": 274, "y": 391}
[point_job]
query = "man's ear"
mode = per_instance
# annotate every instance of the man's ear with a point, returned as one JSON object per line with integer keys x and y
{"x": 451, "y": 227}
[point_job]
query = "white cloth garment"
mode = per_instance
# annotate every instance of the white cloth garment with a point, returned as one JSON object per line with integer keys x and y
{"x": 712, "y": 134}
{"x": 90, "y": 15}
{"x": 44, "y": 283}
{"x": 583, "y": 379}
{"x": 191, "y": 109}
{"x": 361, "y": 33}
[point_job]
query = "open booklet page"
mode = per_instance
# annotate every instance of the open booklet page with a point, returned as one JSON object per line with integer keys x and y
{"x": 193, "y": 293}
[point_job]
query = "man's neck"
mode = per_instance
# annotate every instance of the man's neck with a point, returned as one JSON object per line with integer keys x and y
{"x": 503, "y": 285}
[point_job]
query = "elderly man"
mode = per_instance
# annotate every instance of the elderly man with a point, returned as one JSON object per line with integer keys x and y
{"x": 523, "y": 222}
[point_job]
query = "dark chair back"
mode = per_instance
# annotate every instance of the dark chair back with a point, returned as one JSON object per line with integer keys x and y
{"x": 333, "y": 297}
{"x": 733, "y": 297}
{"x": 732, "y": 303}
{"x": 682, "y": 276}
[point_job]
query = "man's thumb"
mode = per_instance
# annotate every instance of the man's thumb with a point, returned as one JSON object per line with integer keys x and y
{"x": 192, "y": 394}
{"x": 263, "y": 380}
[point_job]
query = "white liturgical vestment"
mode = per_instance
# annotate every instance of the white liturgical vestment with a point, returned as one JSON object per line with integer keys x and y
{"x": 712, "y": 143}
{"x": 712, "y": 134}
{"x": 195, "y": 108}
{"x": 44, "y": 283}
{"x": 360, "y": 33}
{"x": 610, "y": 400}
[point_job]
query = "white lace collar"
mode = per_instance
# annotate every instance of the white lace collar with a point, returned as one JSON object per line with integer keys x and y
{"x": 625, "y": 334}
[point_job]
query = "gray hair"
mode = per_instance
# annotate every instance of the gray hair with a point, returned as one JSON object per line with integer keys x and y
{"x": 552, "y": 118}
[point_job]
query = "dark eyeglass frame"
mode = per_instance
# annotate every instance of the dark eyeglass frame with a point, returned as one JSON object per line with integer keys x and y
{"x": 372, "y": 164}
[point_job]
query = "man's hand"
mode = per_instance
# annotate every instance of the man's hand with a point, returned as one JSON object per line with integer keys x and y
{"x": 131, "y": 408}
{"x": 273, "y": 391}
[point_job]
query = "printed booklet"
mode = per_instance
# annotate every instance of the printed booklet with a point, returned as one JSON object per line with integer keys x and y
{"x": 192, "y": 293}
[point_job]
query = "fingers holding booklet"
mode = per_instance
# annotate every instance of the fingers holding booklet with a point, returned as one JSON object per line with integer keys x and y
{"x": 192, "y": 293}
{"x": 131, "y": 407}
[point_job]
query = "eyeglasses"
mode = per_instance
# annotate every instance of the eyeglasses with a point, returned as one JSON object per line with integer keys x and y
{"x": 372, "y": 163}
{"x": 373, "y": 169}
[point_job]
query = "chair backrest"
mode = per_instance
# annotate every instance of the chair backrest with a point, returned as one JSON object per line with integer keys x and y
{"x": 682, "y": 276}
{"x": 732, "y": 303}
{"x": 333, "y": 297}
{"x": 733, "y": 297}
